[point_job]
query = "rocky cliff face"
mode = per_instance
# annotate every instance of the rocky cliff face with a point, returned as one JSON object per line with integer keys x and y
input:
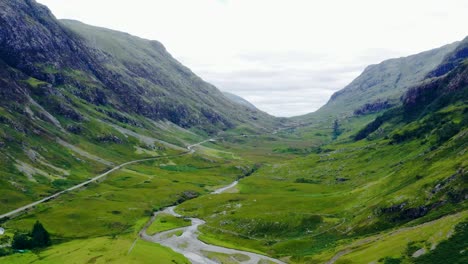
{"x": 374, "y": 107}
{"x": 33, "y": 41}
{"x": 108, "y": 68}
{"x": 451, "y": 60}
{"x": 450, "y": 77}
{"x": 455, "y": 81}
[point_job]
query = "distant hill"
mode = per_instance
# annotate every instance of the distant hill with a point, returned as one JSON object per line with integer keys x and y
{"x": 382, "y": 84}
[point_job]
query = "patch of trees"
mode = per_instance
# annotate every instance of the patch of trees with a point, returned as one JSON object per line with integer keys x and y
{"x": 336, "y": 129}
{"x": 37, "y": 238}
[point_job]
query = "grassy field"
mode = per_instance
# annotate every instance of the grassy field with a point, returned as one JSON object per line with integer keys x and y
{"x": 126, "y": 196}
{"x": 397, "y": 244}
{"x": 303, "y": 196}
{"x": 166, "y": 222}
{"x": 100, "y": 250}
{"x": 106, "y": 216}
{"x": 344, "y": 191}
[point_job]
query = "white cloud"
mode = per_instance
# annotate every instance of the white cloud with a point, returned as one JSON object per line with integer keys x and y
{"x": 286, "y": 56}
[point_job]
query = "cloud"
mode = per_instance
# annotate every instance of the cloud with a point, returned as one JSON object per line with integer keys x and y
{"x": 285, "y": 84}
{"x": 287, "y": 57}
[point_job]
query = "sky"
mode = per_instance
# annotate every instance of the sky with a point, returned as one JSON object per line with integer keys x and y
{"x": 285, "y": 56}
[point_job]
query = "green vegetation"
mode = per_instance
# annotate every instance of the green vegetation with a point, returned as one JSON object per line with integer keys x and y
{"x": 386, "y": 81}
{"x": 33, "y": 82}
{"x": 100, "y": 250}
{"x": 452, "y": 250}
{"x": 166, "y": 222}
{"x": 38, "y": 238}
{"x": 384, "y": 184}
{"x": 375, "y": 189}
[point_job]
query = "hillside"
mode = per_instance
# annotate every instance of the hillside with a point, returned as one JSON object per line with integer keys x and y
{"x": 379, "y": 193}
{"x": 381, "y": 85}
{"x": 77, "y": 100}
{"x": 451, "y": 60}
{"x": 239, "y": 100}
{"x": 105, "y": 67}
{"x": 178, "y": 95}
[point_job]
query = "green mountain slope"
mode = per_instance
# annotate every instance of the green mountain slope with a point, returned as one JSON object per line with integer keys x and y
{"x": 164, "y": 82}
{"x": 77, "y": 100}
{"x": 452, "y": 59}
{"x": 380, "y": 86}
{"x": 105, "y": 67}
{"x": 379, "y": 193}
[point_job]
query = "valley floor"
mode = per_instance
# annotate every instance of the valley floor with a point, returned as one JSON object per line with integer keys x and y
{"x": 264, "y": 198}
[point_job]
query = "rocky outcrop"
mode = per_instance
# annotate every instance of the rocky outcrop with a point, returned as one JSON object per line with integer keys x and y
{"x": 452, "y": 60}
{"x": 374, "y": 107}
{"x": 425, "y": 93}
{"x": 104, "y": 67}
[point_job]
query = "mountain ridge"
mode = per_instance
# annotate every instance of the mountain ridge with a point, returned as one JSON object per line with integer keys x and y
{"x": 382, "y": 82}
{"x": 150, "y": 82}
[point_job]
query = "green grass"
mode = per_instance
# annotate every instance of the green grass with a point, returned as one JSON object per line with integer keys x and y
{"x": 126, "y": 196}
{"x": 452, "y": 250}
{"x": 118, "y": 207}
{"x": 33, "y": 82}
{"x": 166, "y": 222}
{"x": 394, "y": 244}
{"x": 100, "y": 250}
{"x": 306, "y": 196}
{"x": 342, "y": 193}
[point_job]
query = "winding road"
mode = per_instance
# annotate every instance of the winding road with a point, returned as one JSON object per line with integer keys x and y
{"x": 95, "y": 179}
{"x": 188, "y": 243}
{"x": 192, "y": 248}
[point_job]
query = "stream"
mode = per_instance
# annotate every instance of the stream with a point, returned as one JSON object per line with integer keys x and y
{"x": 194, "y": 249}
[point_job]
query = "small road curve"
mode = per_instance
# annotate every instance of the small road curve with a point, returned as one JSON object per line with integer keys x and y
{"x": 95, "y": 179}
{"x": 191, "y": 247}
{"x": 221, "y": 190}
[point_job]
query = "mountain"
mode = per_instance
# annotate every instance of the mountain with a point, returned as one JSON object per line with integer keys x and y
{"x": 117, "y": 140}
{"x": 105, "y": 67}
{"x": 392, "y": 188}
{"x": 451, "y": 60}
{"x": 380, "y": 86}
{"x": 78, "y": 99}
{"x": 239, "y": 100}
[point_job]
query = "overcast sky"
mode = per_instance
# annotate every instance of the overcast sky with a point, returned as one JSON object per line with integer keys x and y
{"x": 287, "y": 56}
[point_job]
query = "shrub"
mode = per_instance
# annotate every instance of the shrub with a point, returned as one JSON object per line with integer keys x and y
{"x": 21, "y": 241}
{"x": 38, "y": 238}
